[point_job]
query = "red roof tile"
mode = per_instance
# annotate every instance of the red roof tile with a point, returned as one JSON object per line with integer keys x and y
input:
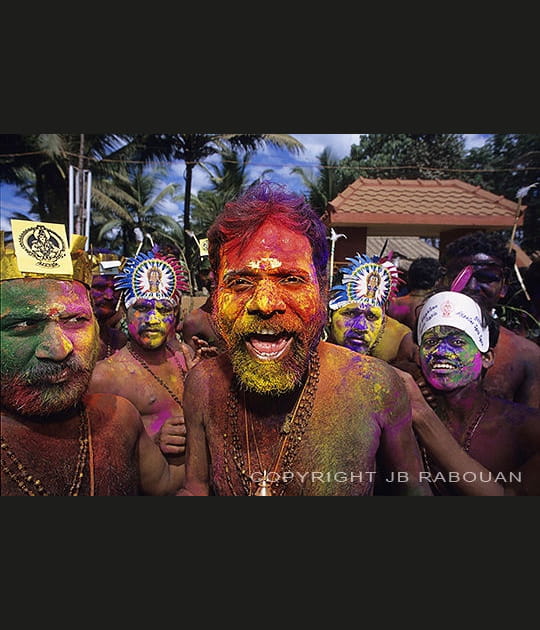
{"x": 427, "y": 202}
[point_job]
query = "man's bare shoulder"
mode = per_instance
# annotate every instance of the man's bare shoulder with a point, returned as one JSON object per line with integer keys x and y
{"x": 209, "y": 372}
{"x": 510, "y": 338}
{"x": 344, "y": 363}
{"x": 515, "y": 413}
{"x": 111, "y": 363}
{"x": 106, "y": 408}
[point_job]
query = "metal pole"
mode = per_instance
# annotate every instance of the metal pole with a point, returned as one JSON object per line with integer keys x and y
{"x": 70, "y": 201}
{"x": 88, "y": 208}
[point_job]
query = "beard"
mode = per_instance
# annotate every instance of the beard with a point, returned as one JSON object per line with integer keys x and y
{"x": 271, "y": 377}
{"x": 34, "y": 392}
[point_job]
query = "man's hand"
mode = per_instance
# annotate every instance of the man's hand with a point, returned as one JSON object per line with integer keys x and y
{"x": 172, "y": 436}
{"x": 204, "y": 349}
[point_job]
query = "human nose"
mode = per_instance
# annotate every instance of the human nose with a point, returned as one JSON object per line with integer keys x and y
{"x": 54, "y": 344}
{"x": 108, "y": 294}
{"x": 153, "y": 316}
{"x": 266, "y": 299}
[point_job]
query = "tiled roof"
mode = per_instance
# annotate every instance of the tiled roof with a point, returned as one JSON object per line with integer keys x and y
{"x": 406, "y": 248}
{"x": 427, "y": 202}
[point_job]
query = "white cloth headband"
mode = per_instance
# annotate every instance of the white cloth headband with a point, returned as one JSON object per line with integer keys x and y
{"x": 450, "y": 308}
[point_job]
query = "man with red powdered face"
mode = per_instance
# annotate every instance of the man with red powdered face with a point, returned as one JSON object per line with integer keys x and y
{"x": 281, "y": 412}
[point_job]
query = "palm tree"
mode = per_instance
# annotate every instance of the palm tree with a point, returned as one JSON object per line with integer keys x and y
{"x": 228, "y": 179}
{"x": 128, "y": 203}
{"x": 326, "y": 185}
{"x": 39, "y": 165}
{"x": 194, "y": 148}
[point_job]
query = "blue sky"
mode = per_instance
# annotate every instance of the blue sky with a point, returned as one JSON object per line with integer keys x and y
{"x": 280, "y": 161}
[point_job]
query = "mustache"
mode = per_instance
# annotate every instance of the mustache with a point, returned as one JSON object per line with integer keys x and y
{"x": 46, "y": 370}
{"x": 359, "y": 336}
{"x": 151, "y": 328}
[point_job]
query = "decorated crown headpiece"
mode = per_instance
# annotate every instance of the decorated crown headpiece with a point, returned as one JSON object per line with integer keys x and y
{"x": 152, "y": 276}
{"x": 368, "y": 281}
{"x": 41, "y": 250}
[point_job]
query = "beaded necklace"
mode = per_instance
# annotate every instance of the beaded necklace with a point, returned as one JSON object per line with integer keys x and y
{"x": 145, "y": 365}
{"x": 291, "y": 433}
{"x": 379, "y": 336}
{"x": 32, "y": 486}
{"x": 471, "y": 430}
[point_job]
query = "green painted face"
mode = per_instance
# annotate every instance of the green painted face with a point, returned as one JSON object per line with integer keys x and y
{"x": 49, "y": 343}
{"x": 449, "y": 358}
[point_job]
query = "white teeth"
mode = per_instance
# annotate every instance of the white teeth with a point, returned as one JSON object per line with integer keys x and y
{"x": 443, "y": 366}
{"x": 267, "y": 331}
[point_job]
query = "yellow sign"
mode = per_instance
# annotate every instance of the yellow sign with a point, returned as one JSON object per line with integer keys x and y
{"x": 203, "y": 247}
{"x": 41, "y": 247}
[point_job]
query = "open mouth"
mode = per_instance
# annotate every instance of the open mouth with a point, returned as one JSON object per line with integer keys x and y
{"x": 441, "y": 367}
{"x": 268, "y": 345}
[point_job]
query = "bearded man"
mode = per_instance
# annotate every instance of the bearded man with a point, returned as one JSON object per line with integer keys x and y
{"x": 281, "y": 412}
{"x": 57, "y": 439}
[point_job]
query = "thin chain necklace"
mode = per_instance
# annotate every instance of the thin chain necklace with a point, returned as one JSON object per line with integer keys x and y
{"x": 145, "y": 365}
{"x": 32, "y": 486}
{"x": 291, "y": 432}
{"x": 471, "y": 430}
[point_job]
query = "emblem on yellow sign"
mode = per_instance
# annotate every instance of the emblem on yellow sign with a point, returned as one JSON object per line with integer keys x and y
{"x": 41, "y": 247}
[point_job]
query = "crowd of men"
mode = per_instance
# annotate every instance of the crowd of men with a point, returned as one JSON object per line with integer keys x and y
{"x": 279, "y": 385}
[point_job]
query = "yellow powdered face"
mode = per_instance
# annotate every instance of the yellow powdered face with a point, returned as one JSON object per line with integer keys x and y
{"x": 268, "y": 307}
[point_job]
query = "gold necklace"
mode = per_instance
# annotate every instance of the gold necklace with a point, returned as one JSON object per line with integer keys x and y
{"x": 145, "y": 365}
{"x": 32, "y": 486}
{"x": 291, "y": 434}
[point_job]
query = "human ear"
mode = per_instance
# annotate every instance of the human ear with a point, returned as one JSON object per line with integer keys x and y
{"x": 488, "y": 359}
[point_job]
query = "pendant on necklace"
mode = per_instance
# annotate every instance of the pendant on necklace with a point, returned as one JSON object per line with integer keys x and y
{"x": 264, "y": 488}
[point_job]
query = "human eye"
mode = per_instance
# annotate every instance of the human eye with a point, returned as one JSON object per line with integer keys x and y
{"x": 238, "y": 283}
{"x": 75, "y": 320}
{"x": 292, "y": 279}
{"x": 22, "y": 326}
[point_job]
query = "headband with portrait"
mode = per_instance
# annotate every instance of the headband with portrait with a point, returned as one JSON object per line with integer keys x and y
{"x": 152, "y": 276}
{"x": 40, "y": 250}
{"x": 368, "y": 281}
{"x": 450, "y": 308}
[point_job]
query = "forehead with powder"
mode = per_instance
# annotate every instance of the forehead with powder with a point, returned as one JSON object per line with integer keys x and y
{"x": 272, "y": 247}
{"x": 27, "y": 296}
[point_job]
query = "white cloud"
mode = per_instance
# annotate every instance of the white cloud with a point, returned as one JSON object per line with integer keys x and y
{"x": 475, "y": 140}
{"x": 339, "y": 144}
